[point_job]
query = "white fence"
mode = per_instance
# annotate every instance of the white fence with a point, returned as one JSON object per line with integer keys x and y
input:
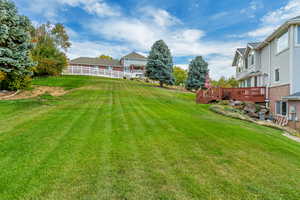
{"x": 95, "y": 71}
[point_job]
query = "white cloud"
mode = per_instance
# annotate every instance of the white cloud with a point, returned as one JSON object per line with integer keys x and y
{"x": 94, "y": 49}
{"x": 275, "y": 18}
{"x": 124, "y": 34}
{"x": 219, "y": 66}
{"x": 183, "y": 66}
{"x": 256, "y": 4}
{"x": 50, "y": 9}
{"x": 140, "y": 35}
{"x": 159, "y": 16}
{"x": 100, "y": 8}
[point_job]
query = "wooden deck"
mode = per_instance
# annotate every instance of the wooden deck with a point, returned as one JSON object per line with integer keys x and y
{"x": 252, "y": 94}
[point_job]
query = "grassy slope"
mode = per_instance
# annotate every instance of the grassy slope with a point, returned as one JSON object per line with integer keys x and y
{"x": 116, "y": 139}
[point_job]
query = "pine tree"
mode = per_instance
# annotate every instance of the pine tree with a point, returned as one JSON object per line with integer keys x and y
{"x": 160, "y": 64}
{"x": 15, "y": 45}
{"x": 198, "y": 70}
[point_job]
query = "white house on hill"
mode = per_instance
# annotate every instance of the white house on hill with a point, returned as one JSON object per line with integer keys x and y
{"x": 131, "y": 66}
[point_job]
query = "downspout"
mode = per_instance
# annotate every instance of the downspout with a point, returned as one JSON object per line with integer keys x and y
{"x": 291, "y": 58}
{"x": 269, "y": 78}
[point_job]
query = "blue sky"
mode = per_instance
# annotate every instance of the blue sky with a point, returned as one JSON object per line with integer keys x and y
{"x": 213, "y": 29}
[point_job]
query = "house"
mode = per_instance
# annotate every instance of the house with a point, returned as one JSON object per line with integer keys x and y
{"x": 131, "y": 65}
{"x": 274, "y": 64}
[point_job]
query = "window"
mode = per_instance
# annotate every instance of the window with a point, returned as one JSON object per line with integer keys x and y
{"x": 278, "y": 105}
{"x": 281, "y": 108}
{"x": 293, "y": 113}
{"x": 283, "y": 42}
{"x": 251, "y": 58}
{"x": 249, "y": 82}
{"x": 284, "y": 108}
{"x": 240, "y": 64}
{"x": 277, "y": 75}
{"x": 298, "y": 35}
{"x": 255, "y": 81}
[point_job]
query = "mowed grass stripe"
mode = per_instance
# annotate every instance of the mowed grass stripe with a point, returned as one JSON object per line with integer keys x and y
{"x": 76, "y": 172}
{"x": 253, "y": 166}
{"x": 118, "y": 139}
{"x": 48, "y": 147}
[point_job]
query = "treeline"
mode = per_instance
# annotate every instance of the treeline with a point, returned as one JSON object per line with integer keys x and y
{"x": 160, "y": 68}
{"x": 225, "y": 83}
{"x": 27, "y": 51}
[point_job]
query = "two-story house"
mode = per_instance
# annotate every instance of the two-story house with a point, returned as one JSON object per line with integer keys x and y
{"x": 131, "y": 65}
{"x": 274, "y": 64}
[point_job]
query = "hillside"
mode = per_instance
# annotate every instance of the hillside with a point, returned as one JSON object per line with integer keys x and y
{"x": 118, "y": 139}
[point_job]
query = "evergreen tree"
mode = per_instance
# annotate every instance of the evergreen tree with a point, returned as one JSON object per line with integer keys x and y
{"x": 15, "y": 45}
{"x": 198, "y": 70}
{"x": 160, "y": 64}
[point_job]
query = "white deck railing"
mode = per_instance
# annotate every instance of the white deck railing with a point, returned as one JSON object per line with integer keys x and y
{"x": 95, "y": 71}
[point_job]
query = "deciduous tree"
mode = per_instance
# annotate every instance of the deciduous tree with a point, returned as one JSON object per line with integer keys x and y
{"x": 49, "y": 40}
{"x": 226, "y": 83}
{"x": 180, "y": 75}
{"x": 105, "y": 57}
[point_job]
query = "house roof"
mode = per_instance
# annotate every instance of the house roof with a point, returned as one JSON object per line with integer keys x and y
{"x": 254, "y": 44}
{"x": 295, "y": 96}
{"x": 96, "y": 61}
{"x": 241, "y": 50}
{"x": 134, "y": 55}
{"x": 280, "y": 30}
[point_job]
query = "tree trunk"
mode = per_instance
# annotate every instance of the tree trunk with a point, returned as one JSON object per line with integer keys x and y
{"x": 161, "y": 84}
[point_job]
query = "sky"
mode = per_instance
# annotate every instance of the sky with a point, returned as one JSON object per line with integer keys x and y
{"x": 209, "y": 28}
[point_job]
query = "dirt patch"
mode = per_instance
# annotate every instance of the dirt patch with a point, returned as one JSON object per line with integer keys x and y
{"x": 36, "y": 91}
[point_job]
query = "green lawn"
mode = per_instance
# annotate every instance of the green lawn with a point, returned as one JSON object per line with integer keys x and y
{"x": 118, "y": 139}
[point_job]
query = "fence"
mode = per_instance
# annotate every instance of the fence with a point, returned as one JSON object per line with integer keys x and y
{"x": 96, "y": 71}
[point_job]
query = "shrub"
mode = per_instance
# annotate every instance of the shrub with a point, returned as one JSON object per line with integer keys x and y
{"x": 2, "y": 76}
{"x": 50, "y": 60}
{"x": 16, "y": 82}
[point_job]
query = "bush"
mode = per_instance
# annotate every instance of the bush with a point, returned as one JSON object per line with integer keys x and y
{"x": 50, "y": 60}
{"x": 16, "y": 82}
{"x": 2, "y": 76}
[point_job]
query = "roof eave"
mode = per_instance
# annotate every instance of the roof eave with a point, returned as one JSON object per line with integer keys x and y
{"x": 292, "y": 98}
{"x": 277, "y": 32}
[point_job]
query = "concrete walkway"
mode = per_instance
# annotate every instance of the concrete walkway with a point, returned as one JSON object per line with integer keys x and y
{"x": 297, "y": 139}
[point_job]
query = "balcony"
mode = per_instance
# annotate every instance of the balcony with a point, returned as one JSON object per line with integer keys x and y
{"x": 246, "y": 73}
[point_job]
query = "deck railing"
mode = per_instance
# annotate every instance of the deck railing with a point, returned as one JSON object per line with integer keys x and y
{"x": 95, "y": 71}
{"x": 251, "y": 94}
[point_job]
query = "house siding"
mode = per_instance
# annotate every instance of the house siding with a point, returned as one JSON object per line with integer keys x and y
{"x": 295, "y": 80}
{"x": 279, "y": 61}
